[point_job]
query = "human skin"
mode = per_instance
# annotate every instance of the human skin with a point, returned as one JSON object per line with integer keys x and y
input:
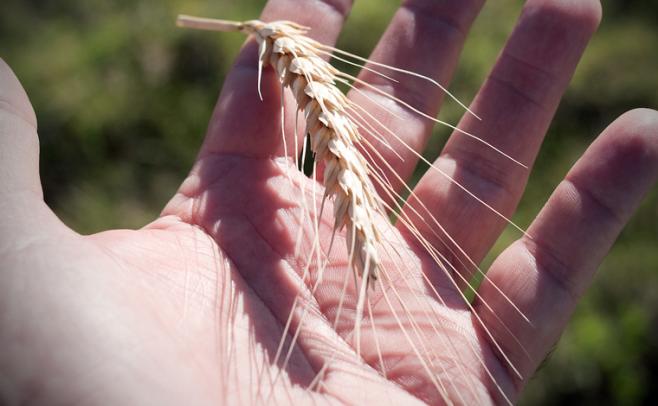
{"x": 189, "y": 309}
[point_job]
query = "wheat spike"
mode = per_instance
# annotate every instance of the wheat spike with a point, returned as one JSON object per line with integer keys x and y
{"x": 333, "y": 135}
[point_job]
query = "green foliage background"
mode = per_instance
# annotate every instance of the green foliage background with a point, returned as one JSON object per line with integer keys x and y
{"x": 123, "y": 99}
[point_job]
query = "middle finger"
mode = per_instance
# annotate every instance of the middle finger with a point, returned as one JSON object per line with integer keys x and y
{"x": 425, "y": 37}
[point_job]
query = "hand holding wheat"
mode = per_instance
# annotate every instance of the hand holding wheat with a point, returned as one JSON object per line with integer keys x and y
{"x": 191, "y": 308}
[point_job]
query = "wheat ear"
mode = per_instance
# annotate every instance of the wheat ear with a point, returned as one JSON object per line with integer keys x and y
{"x": 333, "y": 135}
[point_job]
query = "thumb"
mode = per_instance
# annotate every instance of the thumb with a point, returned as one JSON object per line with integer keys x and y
{"x": 23, "y": 214}
{"x": 19, "y": 144}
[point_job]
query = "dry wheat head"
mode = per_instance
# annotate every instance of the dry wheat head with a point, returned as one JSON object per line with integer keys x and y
{"x": 333, "y": 134}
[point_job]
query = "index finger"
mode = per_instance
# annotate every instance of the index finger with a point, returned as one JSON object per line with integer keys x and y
{"x": 243, "y": 124}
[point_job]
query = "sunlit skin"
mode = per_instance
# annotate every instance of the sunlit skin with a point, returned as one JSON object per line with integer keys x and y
{"x": 190, "y": 308}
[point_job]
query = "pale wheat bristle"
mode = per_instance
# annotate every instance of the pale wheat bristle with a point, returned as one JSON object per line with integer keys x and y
{"x": 350, "y": 174}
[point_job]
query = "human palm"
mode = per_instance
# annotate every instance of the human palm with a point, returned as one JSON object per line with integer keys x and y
{"x": 190, "y": 309}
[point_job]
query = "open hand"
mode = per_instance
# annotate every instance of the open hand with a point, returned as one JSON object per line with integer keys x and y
{"x": 190, "y": 309}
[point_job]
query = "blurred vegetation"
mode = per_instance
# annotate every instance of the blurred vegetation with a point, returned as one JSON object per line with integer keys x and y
{"x": 123, "y": 99}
